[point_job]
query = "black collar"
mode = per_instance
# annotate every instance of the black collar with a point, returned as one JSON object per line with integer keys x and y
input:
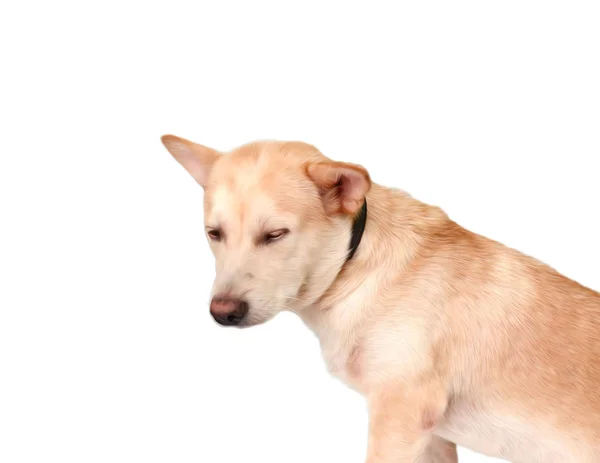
{"x": 358, "y": 227}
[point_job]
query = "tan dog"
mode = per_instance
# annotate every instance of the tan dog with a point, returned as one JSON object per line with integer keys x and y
{"x": 451, "y": 337}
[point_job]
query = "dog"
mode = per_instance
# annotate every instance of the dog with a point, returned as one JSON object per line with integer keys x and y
{"x": 451, "y": 337}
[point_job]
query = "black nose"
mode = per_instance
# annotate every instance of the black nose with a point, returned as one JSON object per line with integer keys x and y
{"x": 228, "y": 311}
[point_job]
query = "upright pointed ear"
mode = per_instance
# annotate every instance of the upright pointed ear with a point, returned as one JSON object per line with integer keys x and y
{"x": 197, "y": 159}
{"x": 343, "y": 186}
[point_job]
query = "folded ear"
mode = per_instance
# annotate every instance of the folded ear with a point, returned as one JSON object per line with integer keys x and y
{"x": 343, "y": 186}
{"x": 197, "y": 159}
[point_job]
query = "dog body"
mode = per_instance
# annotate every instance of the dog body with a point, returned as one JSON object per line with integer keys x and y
{"x": 500, "y": 333}
{"x": 452, "y": 338}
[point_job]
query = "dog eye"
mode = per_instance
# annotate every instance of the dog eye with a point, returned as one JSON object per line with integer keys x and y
{"x": 214, "y": 234}
{"x": 275, "y": 235}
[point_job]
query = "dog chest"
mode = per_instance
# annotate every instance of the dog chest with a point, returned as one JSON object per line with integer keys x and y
{"x": 341, "y": 332}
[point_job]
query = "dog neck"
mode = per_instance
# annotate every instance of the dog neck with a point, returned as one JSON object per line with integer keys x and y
{"x": 358, "y": 228}
{"x": 395, "y": 230}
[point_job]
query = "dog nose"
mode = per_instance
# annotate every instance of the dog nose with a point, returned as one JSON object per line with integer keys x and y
{"x": 227, "y": 310}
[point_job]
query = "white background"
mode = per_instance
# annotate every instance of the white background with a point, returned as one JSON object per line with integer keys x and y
{"x": 107, "y": 350}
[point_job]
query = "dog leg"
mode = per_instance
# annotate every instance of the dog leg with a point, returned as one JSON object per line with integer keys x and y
{"x": 400, "y": 422}
{"x": 439, "y": 451}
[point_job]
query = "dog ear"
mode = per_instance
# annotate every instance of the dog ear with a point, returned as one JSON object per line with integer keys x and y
{"x": 342, "y": 186}
{"x": 196, "y": 159}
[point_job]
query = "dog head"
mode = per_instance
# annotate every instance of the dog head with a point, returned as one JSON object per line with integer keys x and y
{"x": 277, "y": 217}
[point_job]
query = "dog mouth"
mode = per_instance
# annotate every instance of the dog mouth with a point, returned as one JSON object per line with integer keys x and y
{"x": 249, "y": 320}
{"x": 234, "y": 321}
{"x": 240, "y": 311}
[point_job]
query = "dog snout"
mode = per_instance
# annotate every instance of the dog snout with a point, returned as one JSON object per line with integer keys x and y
{"x": 228, "y": 310}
